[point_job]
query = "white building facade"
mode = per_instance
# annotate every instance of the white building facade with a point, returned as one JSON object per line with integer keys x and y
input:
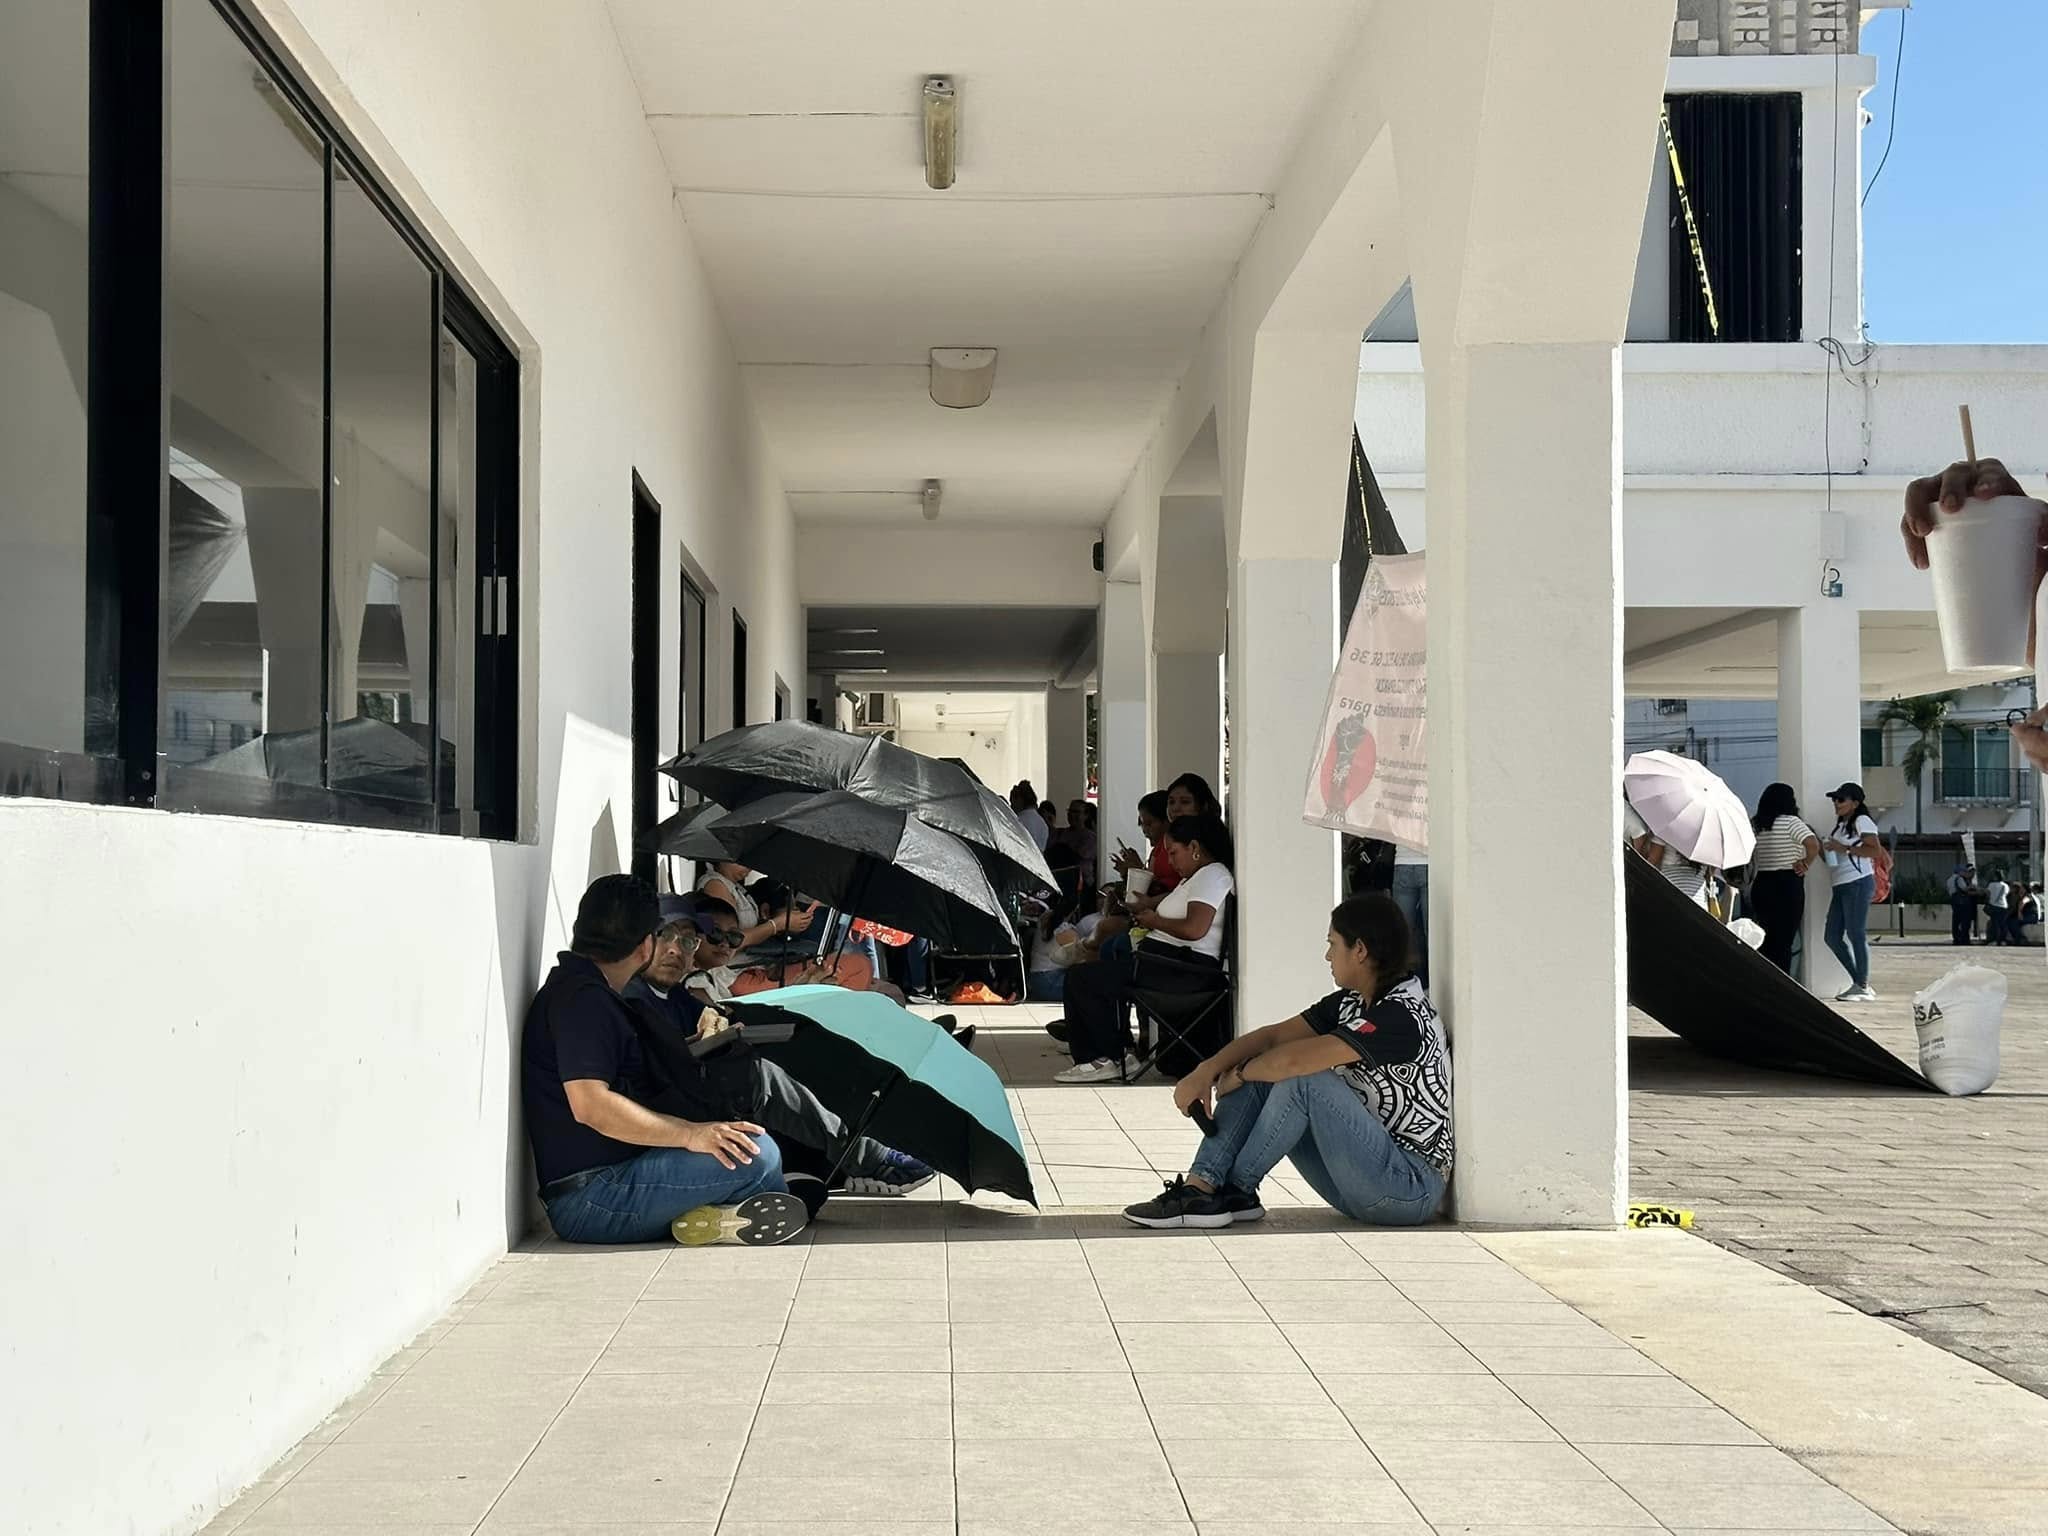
{"x": 1770, "y": 612}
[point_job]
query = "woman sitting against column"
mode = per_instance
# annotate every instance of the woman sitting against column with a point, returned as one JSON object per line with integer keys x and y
{"x": 1785, "y": 850}
{"x": 1355, "y": 1091}
{"x": 1188, "y": 920}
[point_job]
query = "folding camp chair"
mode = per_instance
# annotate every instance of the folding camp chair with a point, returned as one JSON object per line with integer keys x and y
{"x": 1190, "y": 1005}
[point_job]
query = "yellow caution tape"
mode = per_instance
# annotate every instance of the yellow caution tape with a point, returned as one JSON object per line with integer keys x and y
{"x": 1659, "y": 1216}
{"x": 1692, "y": 228}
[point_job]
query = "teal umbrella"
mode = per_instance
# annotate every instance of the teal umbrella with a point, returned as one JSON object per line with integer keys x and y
{"x": 898, "y": 1078}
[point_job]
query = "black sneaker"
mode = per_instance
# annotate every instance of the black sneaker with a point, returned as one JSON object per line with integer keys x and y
{"x": 810, "y": 1189}
{"x": 1180, "y": 1204}
{"x": 758, "y": 1221}
{"x": 1058, "y": 1030}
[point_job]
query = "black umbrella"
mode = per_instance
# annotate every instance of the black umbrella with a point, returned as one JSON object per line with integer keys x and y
{"x": 365, "y": 756}
{"x": 791, "y": 756}
{"x": 962, "y": 764}
{"x": 869, "y": 860}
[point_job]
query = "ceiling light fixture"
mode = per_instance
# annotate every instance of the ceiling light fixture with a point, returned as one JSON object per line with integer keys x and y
{"x": 962, "y": 377}
{"x": 941, "y": 131}
{"x": 930, "y": 497}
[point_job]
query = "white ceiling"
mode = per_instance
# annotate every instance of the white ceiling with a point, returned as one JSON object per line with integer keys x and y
{"x": 1729, "y": 653}
{"x": 1114, "y": 162}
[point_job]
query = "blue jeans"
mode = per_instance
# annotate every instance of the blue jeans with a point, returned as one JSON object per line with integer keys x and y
{"x": 1411, "y": 894}
{"x": 1848, "y": 925}
{"x": 634, "y": 1201}
{"x": 1339, "y": 1146}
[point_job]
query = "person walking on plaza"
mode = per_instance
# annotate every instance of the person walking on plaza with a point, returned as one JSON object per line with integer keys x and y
{"x": 1786, "y": 849}
{"x": 1998, "y": 910}
{"x": 1962, "y": 906}
{"x": 1852, "y": 850}
{"x": 612, "y": 1170}
{"x": 1355, "y": 1091}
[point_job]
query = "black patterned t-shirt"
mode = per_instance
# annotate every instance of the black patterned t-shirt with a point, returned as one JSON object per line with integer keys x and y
{"x": 1403, "y": 1071}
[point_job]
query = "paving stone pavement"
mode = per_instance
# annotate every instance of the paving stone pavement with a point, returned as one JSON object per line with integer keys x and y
{"x": 1928, "y": 1211}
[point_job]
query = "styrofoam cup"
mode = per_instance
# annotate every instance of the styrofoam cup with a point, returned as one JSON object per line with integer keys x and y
{"x": 1138, "y": 882}
{"x": 1983, "y": 563}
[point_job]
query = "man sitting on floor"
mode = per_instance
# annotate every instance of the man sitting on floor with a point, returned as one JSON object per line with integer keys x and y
{"x": 611, "y": 1169}
{"x": 744, "y": 1083}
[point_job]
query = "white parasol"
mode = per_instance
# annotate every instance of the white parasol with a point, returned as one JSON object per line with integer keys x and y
{"x": 1687, "y": 807}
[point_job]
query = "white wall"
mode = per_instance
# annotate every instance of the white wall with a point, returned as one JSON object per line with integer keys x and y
{"x": 286, "y": 1135}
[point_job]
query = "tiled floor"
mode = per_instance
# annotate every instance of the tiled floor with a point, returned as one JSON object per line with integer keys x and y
{"x": 941, "y": 1365}
{"x": 1928, "y": 1211}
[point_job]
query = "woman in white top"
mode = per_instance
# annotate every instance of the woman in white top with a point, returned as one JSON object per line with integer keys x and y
{"x": 1786, "y": 849}
{"x": 1852, "y": 851}
{"x": 728, "y": 883}
{"x": 1670, "y": 863}
{"x": 1188, "y": 920}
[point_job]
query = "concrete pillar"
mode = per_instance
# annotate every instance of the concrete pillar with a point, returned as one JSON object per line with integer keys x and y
{"x": 1122, "y": 719}
{"x": 1187, "y": 717}
{"x": 1525, "y": 743}
{"x": 1820, "y": 742}
{"x": 1066, "y": 745}
{"x": 1283, "y": 637}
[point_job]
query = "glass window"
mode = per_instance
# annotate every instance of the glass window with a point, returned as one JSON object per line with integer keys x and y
{"x": 246, "y": 363}
{"x": 1873, "y": 746}
{"x": 456, "y": 580}
{"x": 386, "y": 344}
{"x": 65, "y": 702}
{"x": 336, "y": 472}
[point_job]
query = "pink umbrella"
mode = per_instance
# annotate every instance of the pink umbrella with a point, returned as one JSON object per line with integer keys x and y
{"x": 1687, "y": 807}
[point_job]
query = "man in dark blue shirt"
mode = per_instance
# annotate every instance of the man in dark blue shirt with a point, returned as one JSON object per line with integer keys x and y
{"x": 612, "y": 1170}
{"x": 814, "y": 1141}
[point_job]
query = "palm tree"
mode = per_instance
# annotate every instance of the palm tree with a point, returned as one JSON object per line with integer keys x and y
{"x": 1924, "y": 717}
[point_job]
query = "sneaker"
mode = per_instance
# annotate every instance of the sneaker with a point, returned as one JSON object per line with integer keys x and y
{"x": 1863, "y": 994}
{"x": 899, "y": 1174}
{"x": 758, "y": 1222}
{"x": 964, "y": 1037}
{"x": 1180, "y": 1204}
{"x": 1058, "y": 1030}
{"x": 810, "y": 1189}
{"x": 1103, "y": 1071}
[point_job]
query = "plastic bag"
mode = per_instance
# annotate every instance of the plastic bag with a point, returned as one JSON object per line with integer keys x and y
{"x": 1749, "y": 930}
{"x": 1958, "y": 1019}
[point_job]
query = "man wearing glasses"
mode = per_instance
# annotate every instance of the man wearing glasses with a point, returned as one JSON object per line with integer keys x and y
{"x": 746, "y": 1084}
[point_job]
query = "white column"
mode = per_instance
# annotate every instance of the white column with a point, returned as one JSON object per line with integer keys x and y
{"x": 1120, "y": 728}
{"x": 1525, "y": 772}
{"x": 1820, "y": 743}
{"x": 1283, "y": 637}
{"x": 1187, "y": 717}
{"x": 1066, "y": 745}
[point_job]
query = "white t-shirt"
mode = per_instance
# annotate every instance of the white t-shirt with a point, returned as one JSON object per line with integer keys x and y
{"x": 1035, "y": 827}
{"x": 1996, "y": 894}
{"x": 1211, "y": 886}
{"x": 735, "y": 894}
{"x": 1674, "y": 866}
{"x": 1848, "y": 868}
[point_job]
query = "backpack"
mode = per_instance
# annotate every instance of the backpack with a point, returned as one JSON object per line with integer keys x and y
{"x": 1881, "y": 872}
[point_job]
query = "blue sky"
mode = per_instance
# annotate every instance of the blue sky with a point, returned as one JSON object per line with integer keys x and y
{"x": 1955, "y": 232}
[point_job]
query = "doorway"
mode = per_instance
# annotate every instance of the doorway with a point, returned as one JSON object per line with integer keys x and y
{"x": 739, "y": 670}
{"x": 645, "y": 713}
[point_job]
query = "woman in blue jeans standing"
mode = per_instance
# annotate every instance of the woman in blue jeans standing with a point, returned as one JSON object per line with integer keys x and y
{"x": 1852, "y": 851}
{"x": 1355, "y": 1091}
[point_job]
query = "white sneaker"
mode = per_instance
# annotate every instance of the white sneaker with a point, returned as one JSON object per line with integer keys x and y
{"x": 1856, "y": 995}
{"x": 1088, "y": 1072}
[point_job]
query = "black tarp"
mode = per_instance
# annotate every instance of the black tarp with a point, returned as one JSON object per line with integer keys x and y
{"x": 1694, "y": 977}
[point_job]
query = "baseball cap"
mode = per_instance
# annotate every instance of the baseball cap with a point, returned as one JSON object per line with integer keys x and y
{"x": 1849, "y": 791}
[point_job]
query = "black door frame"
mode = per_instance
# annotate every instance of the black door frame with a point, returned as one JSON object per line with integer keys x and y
{"x": 645, "y": 709}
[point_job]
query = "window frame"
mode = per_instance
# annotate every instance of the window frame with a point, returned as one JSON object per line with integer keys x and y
{"x": 129, "y": 89}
